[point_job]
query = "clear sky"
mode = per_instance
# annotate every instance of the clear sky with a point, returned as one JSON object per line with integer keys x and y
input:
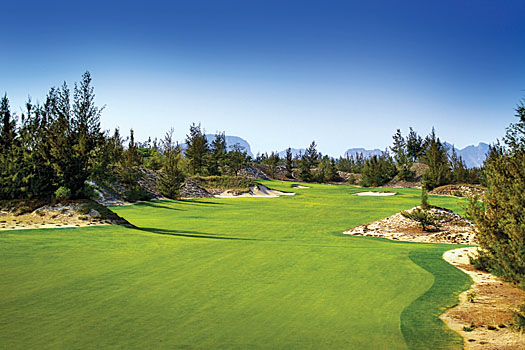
{"x": 278, "y": 73}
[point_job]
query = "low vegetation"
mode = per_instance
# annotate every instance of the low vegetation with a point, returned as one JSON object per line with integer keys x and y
{"x": 238, "y": 183}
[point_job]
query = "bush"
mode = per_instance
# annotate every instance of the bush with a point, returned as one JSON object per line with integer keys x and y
{"x": 424, "y": 199}
{"x": 518, "y": 318}
{"x": 62, "y": 193}
{"x": 135, "y": 194}
{"x": 224, "y": 182}
{"x": 424, "y": 217}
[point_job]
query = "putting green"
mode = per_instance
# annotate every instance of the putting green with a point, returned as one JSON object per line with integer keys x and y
{"x": 241, "y": 273}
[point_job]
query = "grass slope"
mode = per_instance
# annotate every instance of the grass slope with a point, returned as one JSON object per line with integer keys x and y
{"x": 250, "y": 273}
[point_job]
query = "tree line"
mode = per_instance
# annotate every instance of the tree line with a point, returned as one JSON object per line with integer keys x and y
{"x": 55, "y": 147}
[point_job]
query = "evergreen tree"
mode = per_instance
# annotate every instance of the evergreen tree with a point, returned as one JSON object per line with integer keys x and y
{"x": 378, "y": 170}
{"x": 8, "y": 153}
{"x": 237, "y": 159}
{"x": 273, "y": 161}
{"x": 435, "y": 156}
{"x": 414, "y": 145}
{"x": 459, "y": 172}
{"x": 132, "y": 151}
{"x": 7, "y": 126}
{"x": 197, "y": 150}
{"x": 78, "y": 127}
{"x": 500, "y": 219}
{"x": 289, "y": 163}
{"x": 308, "y": 161}
{"x": 327, "y": 170}
{"x": 218, "y": 154}
{"x": 401, "y": 156}
{"x": 171, "y": 178}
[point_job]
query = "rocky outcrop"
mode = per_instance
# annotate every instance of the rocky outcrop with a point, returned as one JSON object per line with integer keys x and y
{"x": 191, "y": 189}
{"x": 465, "y": 190}
{"x": 254, "y": 172}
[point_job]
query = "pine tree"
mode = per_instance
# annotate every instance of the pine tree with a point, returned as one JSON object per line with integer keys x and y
{"x": 401, "y": 157}
{"x": 237, "y": 159}
{"x": 308, "y": 161}
{"x": 7, "y": 127}
{"x": 289, "y": 163}
{"x": 500, "y": 219}
{"x": 8, "y": 151}
{"x": 79, "y": 126}
{"x": 327, "y": 170}
{"x": 414, "y": 144}
{"x": 273, "y": 161}
{"x": 459, "y": 172}
{"x": 197, "y": 150}
{"x": 378, "y": 170}
{"x": 217, "y": 154}
{"x": 171, "y": 178}
{"x": 435, "y": 156}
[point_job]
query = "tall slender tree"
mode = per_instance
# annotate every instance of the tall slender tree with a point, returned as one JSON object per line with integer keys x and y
{"x": 289, "y": 163}
{"x": 435, "y": 156}
{"x": 500, "y": 219}
{"x": 171, "y": 178}
{"x": 197, "y": 150}
{"x": 218, "y": 153}
{"x": 414, "y": 144}
{"x": 403, "y": 162}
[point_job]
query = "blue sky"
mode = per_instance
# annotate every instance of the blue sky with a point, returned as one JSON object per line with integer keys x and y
{"x": 278, "y": 73}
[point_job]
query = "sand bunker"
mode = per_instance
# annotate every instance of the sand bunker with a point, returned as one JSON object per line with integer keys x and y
{"x": 299, "y": 186}
{"x": 370, "y": 193}
{"x": 255, "y": 191}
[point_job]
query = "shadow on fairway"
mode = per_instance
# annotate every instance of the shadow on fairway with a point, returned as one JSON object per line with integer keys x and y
{"x": 198, "y": 202}
{"x": 158, "y": 205}
{"x": 189, "y": 234}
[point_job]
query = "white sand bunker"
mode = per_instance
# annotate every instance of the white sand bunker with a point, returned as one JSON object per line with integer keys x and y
{"x": 255, "y": 191}
{"x": 299, "y": 186}
{"x": 370, "y": 193}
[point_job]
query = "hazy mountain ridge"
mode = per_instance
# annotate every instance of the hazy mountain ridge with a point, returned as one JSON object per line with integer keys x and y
{"x": 473, "y": 155}
{"x": 230, "y": 142}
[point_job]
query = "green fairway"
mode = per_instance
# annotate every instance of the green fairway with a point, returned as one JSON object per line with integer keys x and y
{"x": 241, "y": 273}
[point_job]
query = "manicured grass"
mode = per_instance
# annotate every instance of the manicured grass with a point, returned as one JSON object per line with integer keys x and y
{"x": 242, "y": 273}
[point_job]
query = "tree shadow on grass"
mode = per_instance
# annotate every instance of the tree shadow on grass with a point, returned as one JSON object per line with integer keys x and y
{"x": 158, "y": 205}
{"x": 198, "y": 202}
{"x": 190, "y": 234}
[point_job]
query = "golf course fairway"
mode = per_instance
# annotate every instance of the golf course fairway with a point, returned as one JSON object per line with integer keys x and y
{"x": 240, "y": 273}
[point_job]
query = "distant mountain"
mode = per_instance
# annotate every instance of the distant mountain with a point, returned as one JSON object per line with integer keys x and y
{"x": 473, "y": 156}
{"x": 295, "y": 152}
{"x": 367, "y": 153}
{"x": 230, "y": 142}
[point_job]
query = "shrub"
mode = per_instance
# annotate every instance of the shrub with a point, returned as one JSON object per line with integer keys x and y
{"x": 135, "y": 194}
{"x": 424, "y": 217}
{"x": 62, "y": 193}
{"x": 424, "y": 199}
{"x": 225, "y": 182}
{"x": 518, "y": 318}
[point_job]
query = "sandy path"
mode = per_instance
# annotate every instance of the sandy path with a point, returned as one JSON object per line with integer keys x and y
{"x": 483, "y": 315}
